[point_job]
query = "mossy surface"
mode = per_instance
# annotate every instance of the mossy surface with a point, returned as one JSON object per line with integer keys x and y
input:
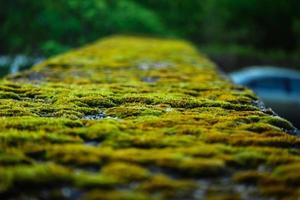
{"x": 140, "y": 118}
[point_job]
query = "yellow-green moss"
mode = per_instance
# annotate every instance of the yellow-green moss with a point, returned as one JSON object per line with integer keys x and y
{"x": 125, "y": 171}
{"x": 140, "y": 118}
{"x": 113, "y": 195}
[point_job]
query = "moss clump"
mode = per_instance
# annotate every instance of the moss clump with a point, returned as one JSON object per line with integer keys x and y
{"x": 140, "y": 118}
{"x": 165, "y": 187}
{"x": 113, "y": 195}
{"x": 249, "y": 177}
{"x": 9, "y": 95}
{"x": 125, "y": 171}
{"x": 250, "y": 159}
{"x": 202, "y": 167}
{"x": 279, "y": 122}
{"x": 33, "y": 175}
{"x": 286, "y": 173}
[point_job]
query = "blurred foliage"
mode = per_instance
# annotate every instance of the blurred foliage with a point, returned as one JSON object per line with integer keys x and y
{"x": 52, "y": 26}
{"x": 49, "y": 27}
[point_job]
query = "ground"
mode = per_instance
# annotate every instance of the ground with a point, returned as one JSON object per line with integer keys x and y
{"x": 140, "y": 118}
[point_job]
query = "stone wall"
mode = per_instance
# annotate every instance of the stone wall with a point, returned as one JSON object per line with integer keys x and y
{"x": 140, "y": 118}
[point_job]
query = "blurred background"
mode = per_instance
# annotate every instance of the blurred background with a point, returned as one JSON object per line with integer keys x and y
{"x": 233, "y": 33}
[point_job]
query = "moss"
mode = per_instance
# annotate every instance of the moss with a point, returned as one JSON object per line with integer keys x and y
{"x": 9, "y": 95}
{"x": 140, "y": 118}
{"x": 95, "y": 101}
{"x": 13, "y": 137}
{"x": 84, "y": 179}
{"x": 249, "y": 177}
{"x": 132, "y": 111}
{"x": 74, "y": 155}
{"x": 250, "y": 139}
{"x": 166, "y": 187}
{"x": 223, "y": 196}
{"x": 148, "y": 140}
{"x": 96, "y": 131}
{"x": 258, "y": 127}
{"x": 279, "y": 122}
{"x": 268, "y": 186}
{"x": 125, "y": 171}
{"x": 288, "y": 173}
{"x": 250, "y": 159}
{"x": 113, "y": 195}
{"x": 48, "y": 174}
{"x": 279, "y": 190}
{"x": 37, "y": 123}
{"x": 13, "y": 158}
{"x": 202, "y": 167}
{"x": 33, "y": 175}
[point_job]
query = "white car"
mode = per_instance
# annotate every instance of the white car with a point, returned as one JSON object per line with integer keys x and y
{"x": 278, "y": 88}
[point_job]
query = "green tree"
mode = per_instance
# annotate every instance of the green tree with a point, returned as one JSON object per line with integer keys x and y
{"x": 53, "y": 26}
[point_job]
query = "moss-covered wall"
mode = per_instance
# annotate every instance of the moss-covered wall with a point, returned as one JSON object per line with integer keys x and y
{"x": 140, "y": 118}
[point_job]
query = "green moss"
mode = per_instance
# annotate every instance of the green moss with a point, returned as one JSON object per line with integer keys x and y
{"x": 14, "y": 137}
{"x": 279, "y": 122}
{"x": 201, "y": 167}
{"x": 33, "y": 175}
{"x": 288, "y": 173}
{"x": 249, "y": 177}
{"x": 139, "y": 118}
{"x": 166, "y": 187}
{"x": 9, "y": 95}
{"x": 93, "y": 180}
{"x": 97, "y": 131}
{"x": 113, "y": 195}
{"x": 132, "y": 111}
{"x": 74, "y": 155}
{"x": 250, "y": 159}
{"x": 13, "y": 158}
{"x": 125, "y": 171}
{"x": 48, "y": 174}
{"x": 95, "y": 101}
{"x": 37, "y": 123}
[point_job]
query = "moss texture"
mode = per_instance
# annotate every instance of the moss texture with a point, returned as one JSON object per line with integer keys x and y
{"x": 140, "y": 118}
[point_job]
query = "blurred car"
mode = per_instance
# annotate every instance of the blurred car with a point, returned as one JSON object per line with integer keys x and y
{"x": 278, "y": 88}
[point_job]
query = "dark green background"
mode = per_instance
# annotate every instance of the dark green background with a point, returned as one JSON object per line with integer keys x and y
{"x": 233, "y": 32}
